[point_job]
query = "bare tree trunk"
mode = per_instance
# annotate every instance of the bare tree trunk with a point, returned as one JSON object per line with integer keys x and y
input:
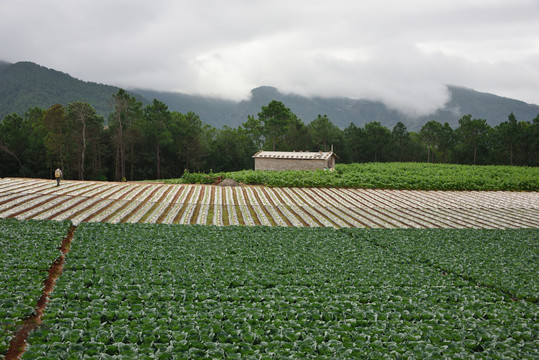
{"x": 122, "y": 152}
{"x": 158, "y": 158}
{"x": 120, "y": 148}
{"x": 83, "y": 150}
{"x": 511, "y": 148}
{"x": 81, "y": 113}
{"x": 117, "y": 164}
{"x": 95, "y": 159}
{"x": 11, "y": 153}
{"x": 132, "y": 174}
{"x": 121, "y": 107}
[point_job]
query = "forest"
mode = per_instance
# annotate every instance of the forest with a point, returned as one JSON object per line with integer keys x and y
{"x": 138, "y": 142}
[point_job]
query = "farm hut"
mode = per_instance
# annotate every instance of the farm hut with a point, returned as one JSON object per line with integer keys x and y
{"x": 294, "y": 160}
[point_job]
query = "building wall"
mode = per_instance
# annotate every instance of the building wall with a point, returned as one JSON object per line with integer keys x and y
{"x": 331, "y": 163}
{"x": 291, "y": 164}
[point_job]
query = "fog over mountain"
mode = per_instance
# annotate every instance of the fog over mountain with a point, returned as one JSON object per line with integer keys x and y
{"x": 343, "y": 111}
{"x": 25, "y": 84}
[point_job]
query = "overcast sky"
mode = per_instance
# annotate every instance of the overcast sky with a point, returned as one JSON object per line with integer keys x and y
{"x": 400, "y": 52}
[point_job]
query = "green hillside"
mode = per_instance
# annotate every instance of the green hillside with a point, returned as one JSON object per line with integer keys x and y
{"x": 493, "y": 108}
{"x": 24, "y": 85}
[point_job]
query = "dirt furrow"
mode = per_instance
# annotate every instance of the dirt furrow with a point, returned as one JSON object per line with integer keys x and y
{"x": 140, "y": 205}
{"x": 125, "y": 204}
{"x": 322, "y": 204}
{"x": 17, "y": 345}
{"x": 205, "y": 205}
{"x": 162, "y": 217}
{"x": 285, "y": 199}
{"x": 184, "y": 205}
{"x": 279, "y": 213}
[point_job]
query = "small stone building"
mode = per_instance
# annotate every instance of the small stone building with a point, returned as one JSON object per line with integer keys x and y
{"x": 294, "y": 160}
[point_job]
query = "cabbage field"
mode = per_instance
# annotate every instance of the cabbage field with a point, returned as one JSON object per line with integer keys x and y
{"x": 188, "y": 292}
{"x": 190, "y": 271}
{"x": 28, "y": 250}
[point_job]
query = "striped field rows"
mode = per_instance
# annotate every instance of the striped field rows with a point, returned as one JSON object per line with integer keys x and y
{"x": 81, "y": 201}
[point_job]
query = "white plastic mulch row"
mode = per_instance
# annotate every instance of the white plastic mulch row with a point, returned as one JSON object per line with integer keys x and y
{"x": 80, "y": 201}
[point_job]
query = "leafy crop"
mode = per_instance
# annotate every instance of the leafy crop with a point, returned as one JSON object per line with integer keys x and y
{"x": 158, "y": 291}
{"x": 505, "y": 260}
{"x": 28, "y": 250}
{"x": 403, "y": 176}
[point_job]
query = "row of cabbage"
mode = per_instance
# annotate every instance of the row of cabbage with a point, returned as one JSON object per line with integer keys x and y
{"x": 167, "y": 291}
{"x": 505, "y": 260}
{"x": 404, "y": 176}
{"x": 28, "y": 250}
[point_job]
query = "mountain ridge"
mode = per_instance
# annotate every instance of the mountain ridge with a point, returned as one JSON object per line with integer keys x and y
{"x": 342, "y": 111}
{"x": 25, "y": 84}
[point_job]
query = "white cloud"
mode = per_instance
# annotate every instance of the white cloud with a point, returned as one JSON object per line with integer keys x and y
{"x": 400, "y": 52}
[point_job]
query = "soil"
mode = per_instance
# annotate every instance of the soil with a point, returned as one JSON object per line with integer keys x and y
{"x": 229, "y": 182}
{"x": 17, "y": 345}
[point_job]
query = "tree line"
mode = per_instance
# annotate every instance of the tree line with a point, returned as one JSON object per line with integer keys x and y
{"x": 151, "y": 142}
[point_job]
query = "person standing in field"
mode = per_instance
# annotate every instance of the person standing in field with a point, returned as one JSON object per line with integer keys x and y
{"x": 58, "y": 175}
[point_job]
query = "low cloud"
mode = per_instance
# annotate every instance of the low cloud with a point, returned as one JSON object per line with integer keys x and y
{"x": 401, "y": 53}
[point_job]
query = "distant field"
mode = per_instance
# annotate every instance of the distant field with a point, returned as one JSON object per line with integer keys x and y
{"x": 87, "y": 201}
{"x": 399, "y": 176}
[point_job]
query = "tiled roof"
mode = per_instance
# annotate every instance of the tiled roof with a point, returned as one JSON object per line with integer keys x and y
{"x": 303, "y": 155}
